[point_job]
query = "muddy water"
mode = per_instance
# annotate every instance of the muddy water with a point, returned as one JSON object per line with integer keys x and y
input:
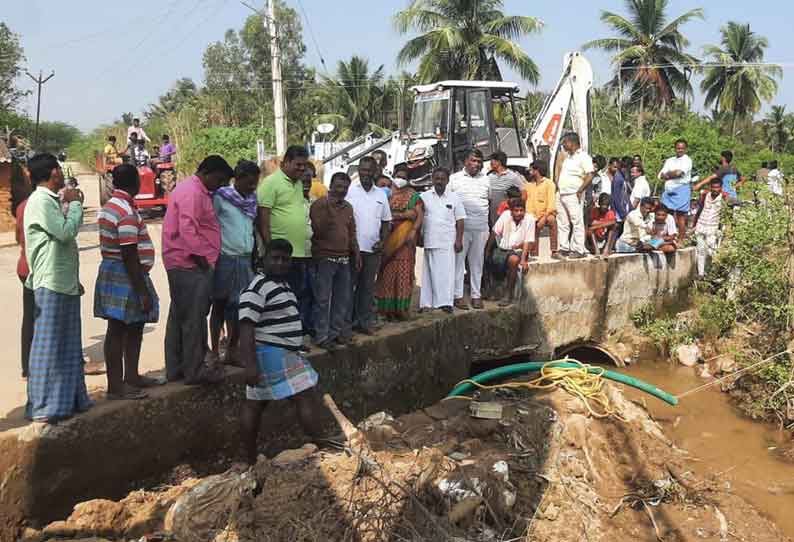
{"x": 732, "y": 448}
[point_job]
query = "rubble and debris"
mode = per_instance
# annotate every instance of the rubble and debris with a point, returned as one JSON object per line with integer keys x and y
{"x": 545, "y": 472}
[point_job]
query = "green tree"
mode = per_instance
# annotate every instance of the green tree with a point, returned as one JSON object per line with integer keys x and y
{"x": 183, "y": 92}
{"x": 737, "y": 82}
{"x": 289, "y": 33}
{"x": 649, "y": 53}
{"x": 353, "y": 99}
{"x": 465, "y": 39}
{"x": 228, "y": 80}
{"x": 777, "y": 128}
{"x": 56, "y": 136}
{"x": 11, "y": 58}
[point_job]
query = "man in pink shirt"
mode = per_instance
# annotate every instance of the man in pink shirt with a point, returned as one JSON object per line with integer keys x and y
{"x": 191, "y": 245}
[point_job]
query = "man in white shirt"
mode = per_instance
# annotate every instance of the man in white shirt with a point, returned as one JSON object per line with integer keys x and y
{"x": 637, "y": 229}
{"x": 373, "y": 218}
{"x": 641, "y": 187}
{"x": 137, "y": 129}
{"x": 442, "y": 233}
{"x": 473, "y": 188}
{"x": 508, "y": 245}
{"x": 677, "y": 176}
{"x": 576, "y": 174}
{"x": 774, "y": 179}
{"x": 602, "y": 179}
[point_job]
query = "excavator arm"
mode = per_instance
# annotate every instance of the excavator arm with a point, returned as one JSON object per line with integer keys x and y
{"x": 571, "y": 95}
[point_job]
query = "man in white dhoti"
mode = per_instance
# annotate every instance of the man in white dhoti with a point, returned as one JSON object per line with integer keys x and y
{"x": 443, "y": 237}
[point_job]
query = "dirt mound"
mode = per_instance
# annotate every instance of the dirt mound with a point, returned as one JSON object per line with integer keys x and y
{"x": 545, "y": 471}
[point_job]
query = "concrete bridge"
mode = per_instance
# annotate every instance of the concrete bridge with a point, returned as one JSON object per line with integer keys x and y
{"x": 47, "y": 469}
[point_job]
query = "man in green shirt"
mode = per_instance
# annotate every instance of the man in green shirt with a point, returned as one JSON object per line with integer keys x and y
{"x": 56, "y": 384}
{"x": 282, "y": 215}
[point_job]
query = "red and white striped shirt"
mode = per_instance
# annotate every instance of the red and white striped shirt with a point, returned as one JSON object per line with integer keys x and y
{"x": 120, "y": 224}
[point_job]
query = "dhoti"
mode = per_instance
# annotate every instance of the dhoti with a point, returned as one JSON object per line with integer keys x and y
{"x": 438, "y": 278}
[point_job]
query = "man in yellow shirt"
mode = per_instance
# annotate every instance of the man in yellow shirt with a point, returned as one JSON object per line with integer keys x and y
{"x": 540, "y": 195}
{"x": 112, "y": 157}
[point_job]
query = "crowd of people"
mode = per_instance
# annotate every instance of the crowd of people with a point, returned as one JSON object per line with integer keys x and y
{"x": 271, "y": 259}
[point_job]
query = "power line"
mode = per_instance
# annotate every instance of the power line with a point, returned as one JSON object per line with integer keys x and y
{"x": 130, "y": 27}
{"x": 788, "y": 64}
{"x": 314, "y": 38}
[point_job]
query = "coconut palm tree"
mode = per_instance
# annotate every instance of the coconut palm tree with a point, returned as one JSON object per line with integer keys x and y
{"x": 777, "y": 127}
{"x": 738, "y": 82}
{"x": 650, "y": 61}
{"x": 465, "y": 39}
{"x": 353, "y": 98}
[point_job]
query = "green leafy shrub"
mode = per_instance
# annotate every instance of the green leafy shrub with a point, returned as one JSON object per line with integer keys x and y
{"x": 716, "y": 316}
{"x": 643, "y": 316}
{"x": 234, "y": 144}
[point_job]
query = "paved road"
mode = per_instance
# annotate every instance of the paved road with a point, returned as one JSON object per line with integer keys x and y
{"x": 12, "y": 386}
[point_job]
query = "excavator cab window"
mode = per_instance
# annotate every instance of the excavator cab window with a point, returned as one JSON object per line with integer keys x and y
{"x": 480, "y": 127}
{"x": 473, "y": 122}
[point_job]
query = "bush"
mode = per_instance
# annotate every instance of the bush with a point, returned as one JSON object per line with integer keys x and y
{"x": 667, "y": 333}
{"x": 234, "y": 144}
{"x": 717, "y": 316}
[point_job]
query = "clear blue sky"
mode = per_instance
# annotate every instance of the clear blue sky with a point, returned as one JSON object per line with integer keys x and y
{"x": 111, "y": 57}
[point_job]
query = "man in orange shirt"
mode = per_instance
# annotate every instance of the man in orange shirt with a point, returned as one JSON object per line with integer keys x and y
{"x": 540, "y": 195}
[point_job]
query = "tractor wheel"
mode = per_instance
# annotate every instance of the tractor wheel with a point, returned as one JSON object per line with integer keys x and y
{"x": 167, "y": 180}
{"x": 105, "y": 188}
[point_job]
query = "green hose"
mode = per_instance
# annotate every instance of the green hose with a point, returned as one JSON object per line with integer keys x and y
{"x": 534, "y": 366}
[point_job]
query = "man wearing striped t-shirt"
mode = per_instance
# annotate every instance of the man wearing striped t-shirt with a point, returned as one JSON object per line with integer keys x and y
{"x": 271, "y": 340}
{"x": 124, "y": 295}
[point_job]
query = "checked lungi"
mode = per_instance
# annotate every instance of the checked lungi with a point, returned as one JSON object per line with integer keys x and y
{"x": 116, "y": 299}
{"x": 56, "y": 383}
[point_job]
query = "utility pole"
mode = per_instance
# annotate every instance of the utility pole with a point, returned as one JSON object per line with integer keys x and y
{"x": 279, "y": 104}
{"x": 39, "y": 81}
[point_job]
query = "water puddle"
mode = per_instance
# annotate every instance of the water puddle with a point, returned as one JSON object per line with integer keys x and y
{"x": 726, "y": 445}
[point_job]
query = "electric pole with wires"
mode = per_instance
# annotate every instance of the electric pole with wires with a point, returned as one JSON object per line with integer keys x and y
{"x": 279, "y": 103}
{"x": 39, "y": 81}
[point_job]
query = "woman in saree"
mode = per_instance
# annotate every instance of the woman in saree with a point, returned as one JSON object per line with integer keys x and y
{"x": 395, "y": 284}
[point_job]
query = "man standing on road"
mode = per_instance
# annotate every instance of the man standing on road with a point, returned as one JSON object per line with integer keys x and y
{"x": 576, "y": 175}
{"x": 124, "y": 294}
{"x": 282, "y": 214}
{"x": 56, "y": 384}
{"x": 191, "y": 246}
{"x": 677, "y": 176}
{"x": 473, "y": 188}
{"x": 28, "y": 300}
{"x": 373, "y": 220}
{"x": 137, "y": 129}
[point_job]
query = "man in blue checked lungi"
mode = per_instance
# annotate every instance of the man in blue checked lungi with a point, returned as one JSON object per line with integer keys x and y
{"x": 271, "y": 340}
{"x": 124, "y": 294}
{"x": 235, "y": 207}
{"x": 56, "y": 381}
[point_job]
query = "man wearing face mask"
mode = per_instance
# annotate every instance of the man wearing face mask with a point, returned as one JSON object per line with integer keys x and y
{"x": 473, "y": 188}
{"x": 373, "y": 219}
